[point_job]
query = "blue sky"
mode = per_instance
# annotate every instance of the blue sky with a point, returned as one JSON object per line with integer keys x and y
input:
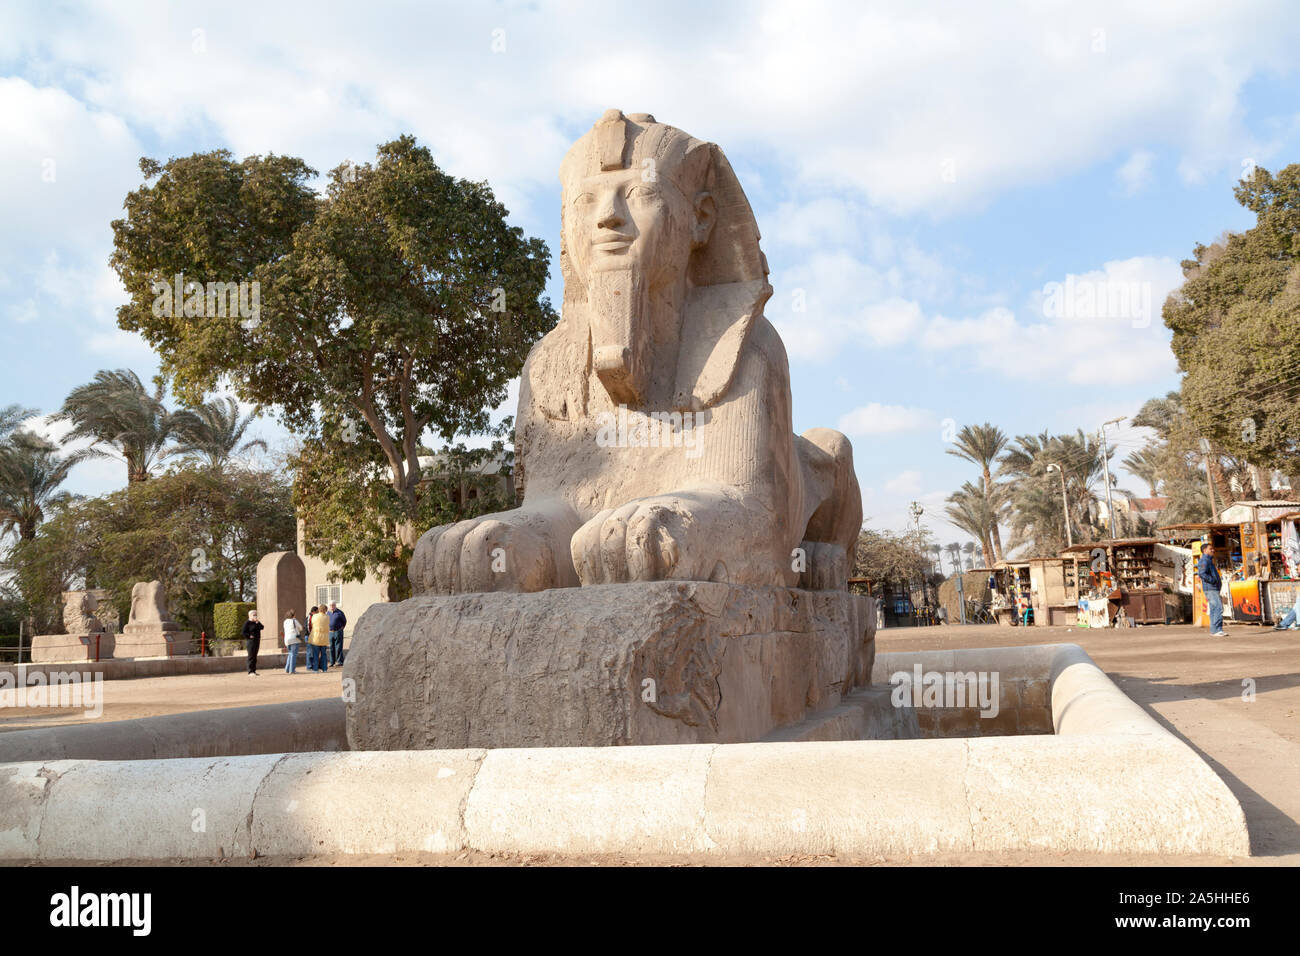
{"x": 920, "y": 173}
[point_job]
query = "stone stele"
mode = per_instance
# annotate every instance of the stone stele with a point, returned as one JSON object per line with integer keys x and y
{"x": 87, "y": 638}
{"x": 655, "y": 455}
{"x": 281, "y": 588}
{"x": 150, "y": 630}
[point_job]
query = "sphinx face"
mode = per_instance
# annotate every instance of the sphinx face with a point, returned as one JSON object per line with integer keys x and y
{"x": 622, "y": 220}
{"x": 629, "y": 237}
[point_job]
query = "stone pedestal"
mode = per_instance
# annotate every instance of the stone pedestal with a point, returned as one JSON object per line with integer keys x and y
{"x": 649, "y": 663}
{"x": 281, "y": 588}
{"x": 143, "y": 640}
{"x": 50, "y": 648}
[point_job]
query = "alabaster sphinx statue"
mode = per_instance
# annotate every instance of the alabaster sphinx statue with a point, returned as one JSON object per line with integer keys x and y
{"x": 655, "y": 453}
{"x": 664, "y": 286}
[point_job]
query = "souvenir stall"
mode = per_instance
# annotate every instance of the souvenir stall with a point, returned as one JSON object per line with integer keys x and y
{"x": 1128, "y": 579}
{"x": 1258, "y": 556}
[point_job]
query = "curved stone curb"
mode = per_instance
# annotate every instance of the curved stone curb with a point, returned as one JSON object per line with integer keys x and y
{"x": 1098, "y": 794}
{"x": 290, "y": 727}
{"x": 1110, "y": 781}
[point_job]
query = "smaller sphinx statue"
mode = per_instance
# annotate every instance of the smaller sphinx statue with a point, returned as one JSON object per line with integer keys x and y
{"x": 151, "y": 632}
{"x": 149, "y": 609}
{"x": 79, "y": 613}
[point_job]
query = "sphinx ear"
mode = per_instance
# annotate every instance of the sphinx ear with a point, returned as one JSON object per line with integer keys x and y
{"x": 706, "y": 216}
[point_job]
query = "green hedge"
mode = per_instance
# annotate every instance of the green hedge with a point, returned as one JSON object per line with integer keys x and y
{"x": 228, "y": 619}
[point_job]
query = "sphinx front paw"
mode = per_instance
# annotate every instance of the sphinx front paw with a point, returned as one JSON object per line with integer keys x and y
{"x": 647, "y": 540}
{"x": 482, "y": 554}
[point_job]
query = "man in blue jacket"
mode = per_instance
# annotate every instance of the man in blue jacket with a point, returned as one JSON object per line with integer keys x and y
{"x": 1210, "y": 584}
{"x": 338, "y": 621}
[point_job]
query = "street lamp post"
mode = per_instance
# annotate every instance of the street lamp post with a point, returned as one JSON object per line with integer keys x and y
{"x": 1065, "y": 505}
{"x": 1105, "y": 464}
{"x": 915, "y": 510}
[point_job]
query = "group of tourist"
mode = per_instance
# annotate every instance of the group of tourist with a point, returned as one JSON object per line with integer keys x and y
{"x": 323, "y": 631}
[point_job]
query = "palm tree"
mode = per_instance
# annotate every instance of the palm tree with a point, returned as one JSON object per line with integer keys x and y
{"x": 1145, "y": 463}
{"x": 981, "y": 445}
{"x": 969, "y": 508}
{"x": 31, "y": 472}
{"x": 214, "y": 431}
{"x": 11, "y": 416}
{"x": 1036, "y": 498}
{"x": 116, "y": 412}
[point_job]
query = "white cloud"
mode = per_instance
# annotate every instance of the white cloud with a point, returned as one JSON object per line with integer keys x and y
{"x": 1018, "y": 94}
{"x": 1135, "y": 174}
{"x": 878, "y": 419}
{"x": 1117, "y": 339}
{"x": 904, "y": 483}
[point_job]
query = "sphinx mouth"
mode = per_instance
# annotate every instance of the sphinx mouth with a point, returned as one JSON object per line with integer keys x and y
{"x": 612, "y": 242}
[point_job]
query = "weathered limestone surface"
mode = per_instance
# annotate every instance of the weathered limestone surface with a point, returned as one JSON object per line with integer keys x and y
{"x": 150, "y": 631}
{"x": 654, "y": 435}
{"x": 52, "y": 648}
{"x": 281, "y": 588}
{"x": 654, "y": 663}
{"x": 87, "y": 638}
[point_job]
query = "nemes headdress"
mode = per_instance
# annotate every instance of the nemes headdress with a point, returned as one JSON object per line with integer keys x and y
{"x": 638, "y": 141}
{"x": 728, "y": 274}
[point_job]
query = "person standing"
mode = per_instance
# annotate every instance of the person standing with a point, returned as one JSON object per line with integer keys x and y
{"x": 308, "y": 654}
{"x": 338, "y": 621}
{"x": 252, "y": 640}
{"x": 292, "y": 638}
{"x": 318, "y": 641}
{"x": 1210, "y": 584}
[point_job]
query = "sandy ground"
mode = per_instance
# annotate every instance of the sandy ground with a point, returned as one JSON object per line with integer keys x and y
{"x": 1191, "y": 683}
{"x": 155, "y": 696}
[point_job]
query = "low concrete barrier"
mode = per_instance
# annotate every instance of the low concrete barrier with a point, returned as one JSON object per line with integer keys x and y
{"x": 304, "y": 725}
{"x": 1083, "y": 794}
{"x": 1110, "y": 781}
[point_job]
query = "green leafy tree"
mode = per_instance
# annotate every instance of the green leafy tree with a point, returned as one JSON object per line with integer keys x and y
{"x": 1178, "y": 460}
{"x": 1236, "y": 333}
{"x": 884, "y": 557}
{"x": 122, "y": 419}
{"x": 399, "y": 303}
{"x": 200, "y": 532}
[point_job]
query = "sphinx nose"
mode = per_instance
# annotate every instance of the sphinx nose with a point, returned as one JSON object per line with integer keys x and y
{"x": 610, "y": 219}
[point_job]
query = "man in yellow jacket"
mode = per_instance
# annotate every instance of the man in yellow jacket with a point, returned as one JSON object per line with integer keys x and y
{"x": 318, "y": 640}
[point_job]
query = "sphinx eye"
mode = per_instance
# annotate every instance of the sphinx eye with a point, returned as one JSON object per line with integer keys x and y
{"x": 643, "y": 191}
{"x": 584, "y": 199}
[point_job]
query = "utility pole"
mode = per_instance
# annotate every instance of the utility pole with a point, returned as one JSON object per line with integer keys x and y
{"x": 1105, "y": 464}
{"x": 1065, "y": 505}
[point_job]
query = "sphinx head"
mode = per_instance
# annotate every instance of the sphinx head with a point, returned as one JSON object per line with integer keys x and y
{"x": 638, "y": 204}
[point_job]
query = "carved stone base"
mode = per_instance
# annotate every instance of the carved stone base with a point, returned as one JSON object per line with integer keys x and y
{"x": 659, "y": 663}
{"x": 135, "y": 641}
{"x": 50, "y": 648}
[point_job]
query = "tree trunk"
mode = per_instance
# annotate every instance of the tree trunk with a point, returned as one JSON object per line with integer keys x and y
{"x": 995, "y": 555}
